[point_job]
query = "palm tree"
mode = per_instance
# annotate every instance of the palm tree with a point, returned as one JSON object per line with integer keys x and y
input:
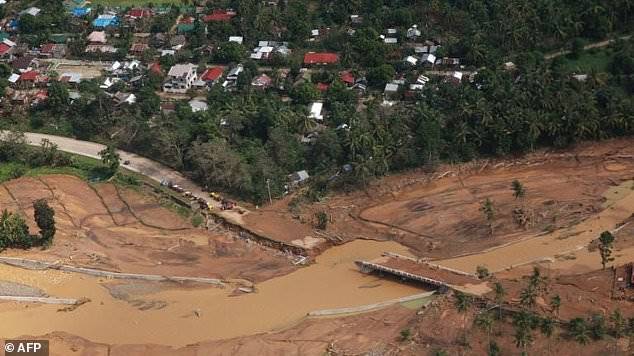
{"x": 110, "y": 157}
{"x": 579, "y": 331}
{"x": 489, "y": 213}
{"x": 518, "y": 189}
{"x": 629, "y": 331}
{"x": 523, "y": 323}
{"x": 462, "y": 303}
{"x": 485, "y": 322}
{"x": 606, "y": 241}
{"x": 547, "y": 327}
{"x": 555, "y": 304}
{"x": 618, "y": 328}
{"x": 500, "y": 293}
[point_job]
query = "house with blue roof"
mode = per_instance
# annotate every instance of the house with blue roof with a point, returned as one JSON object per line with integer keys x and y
{"x": 81, "y": 11}
{"x": 103, "y": 21}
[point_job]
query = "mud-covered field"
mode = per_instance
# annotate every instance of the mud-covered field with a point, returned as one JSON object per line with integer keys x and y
{"x": 107, "y": 227}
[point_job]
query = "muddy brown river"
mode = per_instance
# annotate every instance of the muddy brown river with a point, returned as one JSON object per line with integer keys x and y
{"x": 193, "y": 315}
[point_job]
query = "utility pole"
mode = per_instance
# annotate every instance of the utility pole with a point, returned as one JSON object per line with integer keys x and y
{"x": 268, "y": 187}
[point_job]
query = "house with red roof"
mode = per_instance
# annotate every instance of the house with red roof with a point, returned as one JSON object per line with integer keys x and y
{"x": 52, "y": 50}
{"x": 139, "y": 13}
{"x": 212, "y": 75}
{"x": 219, "y": 16}
{"x": 156, "y": 68}
{"x": 6, "y": 48}
{"x": 322, "y": 58}
{"x": 31, "y": 78}
{"x": 262, "y": 81}
{"x": 323, "y": 87}
{"x": 347, "y": 78}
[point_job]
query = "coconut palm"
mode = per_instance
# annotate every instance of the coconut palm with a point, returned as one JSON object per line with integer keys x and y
{"x": 618, "y": 328}
{"x": 547, "y": 328}
{"x": 579, "y": 330}
{"x": 462, "y": 302}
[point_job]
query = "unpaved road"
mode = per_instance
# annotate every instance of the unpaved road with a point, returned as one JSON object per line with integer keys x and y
{"x": 599, "y": 44}
{"x": 147, "y": 167}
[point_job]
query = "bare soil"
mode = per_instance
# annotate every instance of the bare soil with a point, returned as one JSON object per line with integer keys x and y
{"x": 111, "y": 228}
{"x": 438, "y": 214}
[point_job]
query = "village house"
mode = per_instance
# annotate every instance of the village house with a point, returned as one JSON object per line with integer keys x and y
{"x": 180, "y": 78}
{"x": 266, "y": 49}
{"x": 428, "y": 59}
{"x": 31, "y": 79}
{"x": 413, "y": 32}
{"x": 212, "y": 75}
{"x": 121, "y": 98}
{"x": 262, "y": 82}
{"x": 236, "y": 39}
{"x": 106, "y": 20}
{"x": 100, "y": 48}
{"x": 97, "y": 37}
{"x": 81, "y": 11}
{"x": 315, "y": 111}
{"x": 24, "y": 63}
{"x": 137, "y": 49}
{"x": 52, "y": 50}
{"x": 33, "y": 11}
{"x": 7, "y": 48}
{"x": 72, "y": 78}
{"x": 138, "y": 13}
{"x": 198, "y": 105}
{"x": 347, "y": 78}
{"x": 219, "y": 16}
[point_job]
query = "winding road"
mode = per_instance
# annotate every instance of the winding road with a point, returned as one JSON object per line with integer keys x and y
{"x": 138, "y": 164}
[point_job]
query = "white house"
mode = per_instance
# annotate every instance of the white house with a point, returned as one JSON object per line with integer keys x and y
{"x": 198, "y": 105}
{"x": 428, "y": 58}
{"x": 411, "y": 60}
{"x": 180, "y": 78}
{"x": 413, "y": 32}
{"x": 236, "y": 39}
{"x": 315, "y": 111}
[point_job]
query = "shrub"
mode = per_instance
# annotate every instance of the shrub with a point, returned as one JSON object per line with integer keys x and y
{"x": 197, "y": 220}
{"x": 482, "y": 272}
{"x": 322, "y": 220}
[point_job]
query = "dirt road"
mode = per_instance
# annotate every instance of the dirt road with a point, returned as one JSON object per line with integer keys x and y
{"x": 138, "y": 164}
{"x": 586, "y": 47}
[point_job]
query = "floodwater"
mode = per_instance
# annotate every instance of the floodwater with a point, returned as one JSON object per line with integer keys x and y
{"x": 619, "y": 206}
{"x": 193, "y": 315}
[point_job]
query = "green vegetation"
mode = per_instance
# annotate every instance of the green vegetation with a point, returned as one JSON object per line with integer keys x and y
{"x": 14, "y": 231}
{"x": 110, "y": 158}
{"x": 197, "y": 220}
{"x": 594, "y": 60}
{"x": 322, "y": 220}
{"x": 518, "y": 189}
{"x": 606, "y": 243}
{"x": 45, "y": 220}
{"x": 482, "y": 272}
{"x": 131, "y": 3}
{"x": 488, "y": 211}
{"x": 406, "y": 334}
{"x": 249, "y": 137}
